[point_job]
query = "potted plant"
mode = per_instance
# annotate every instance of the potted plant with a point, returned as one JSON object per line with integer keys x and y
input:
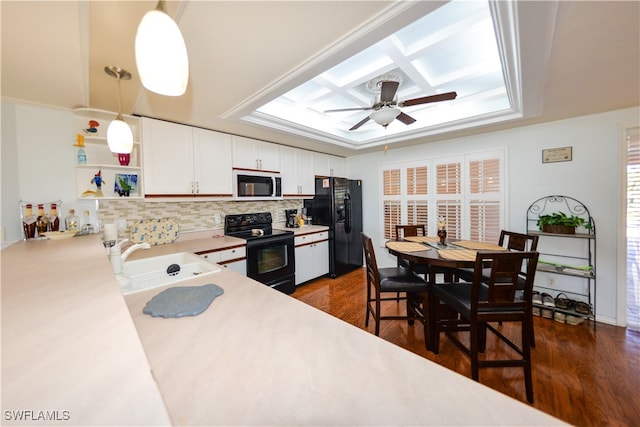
{"x": 561, "y": 223}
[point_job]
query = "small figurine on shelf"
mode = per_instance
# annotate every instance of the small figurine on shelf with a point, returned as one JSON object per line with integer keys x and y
{"x": 442, "y": 231}
{"x": 97, "y": 180}
{"x": 93, "y": 127}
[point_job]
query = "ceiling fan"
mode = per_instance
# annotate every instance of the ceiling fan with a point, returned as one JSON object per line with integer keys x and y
{"x": 387, "y": 109}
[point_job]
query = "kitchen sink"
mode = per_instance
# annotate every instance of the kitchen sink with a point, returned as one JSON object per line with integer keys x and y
{"x": 148, "y": 273}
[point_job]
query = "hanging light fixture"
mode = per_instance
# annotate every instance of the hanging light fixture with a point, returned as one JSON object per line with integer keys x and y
{"x": 119, "y": 135}
{"x": 385, "y": 115}
{"x": 161, "y": 54}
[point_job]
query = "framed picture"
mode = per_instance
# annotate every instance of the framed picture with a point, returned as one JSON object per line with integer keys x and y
{"x": 553, "y": 155}
{"x": 125, "y": 184}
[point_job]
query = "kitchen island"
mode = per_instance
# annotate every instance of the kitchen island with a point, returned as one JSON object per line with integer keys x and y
{"x": 254, "y": 357}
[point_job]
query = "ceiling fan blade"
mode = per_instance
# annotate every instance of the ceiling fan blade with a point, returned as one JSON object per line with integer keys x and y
{"x": 405, "y": 118}
{"x": 360, "y": 123}
{"x": 348, "y": 109}
{"x": 426, "y": 99}
{"x": 388, "y": 91}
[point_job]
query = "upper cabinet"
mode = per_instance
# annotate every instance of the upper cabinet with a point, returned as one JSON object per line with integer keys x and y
{"x": 328, "y": 165}
{"x": 212, "y": 165}
{"x": 297, "y": 175}
{"x": 255, "y": 155}
{"x": 101, "y": 173}
{"x": 181, "y": 160}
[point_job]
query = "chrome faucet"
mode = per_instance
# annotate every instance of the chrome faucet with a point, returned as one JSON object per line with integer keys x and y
{"x": 117, "y": 257}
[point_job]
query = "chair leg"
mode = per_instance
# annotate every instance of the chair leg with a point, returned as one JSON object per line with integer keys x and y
{"x": 366, "y": 319}
{"x": 377, "y": 316}
{"x": 410, "y": 311}
{"x": 533, "y": 334}
{"x": 433, "y": 344}
{"x": 482, "y": 337}
{"x": 474, "y": 349}
{"x": 527, "y": 325}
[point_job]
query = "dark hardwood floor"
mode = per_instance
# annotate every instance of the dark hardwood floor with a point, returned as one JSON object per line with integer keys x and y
{"x": 581, "y": 376}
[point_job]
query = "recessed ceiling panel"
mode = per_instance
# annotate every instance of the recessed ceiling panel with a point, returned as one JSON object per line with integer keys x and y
{"x": 453, "y": 49}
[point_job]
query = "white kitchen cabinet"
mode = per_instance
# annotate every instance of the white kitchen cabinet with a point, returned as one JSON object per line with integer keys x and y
{"x": 100, "y": 158}
{"x": 212, "y": 162}
{"x": 312, "y": 256}
{"x": 328, "y": 165}
{"x": 232, "y": 258}
{"x": 297, "y": 175}
{"x": 255, "y": 155}
{"x": 187, "y": 161}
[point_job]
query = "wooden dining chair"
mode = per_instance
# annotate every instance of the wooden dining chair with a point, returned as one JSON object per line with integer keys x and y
{"x": 391, "y": 280}
{"x": 410, "y": 230}
{"x": 480, "y": 302}
{"x": 512, "y": 241}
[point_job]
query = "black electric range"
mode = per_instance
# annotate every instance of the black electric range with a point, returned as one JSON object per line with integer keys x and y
{"x": 270, "y": 253}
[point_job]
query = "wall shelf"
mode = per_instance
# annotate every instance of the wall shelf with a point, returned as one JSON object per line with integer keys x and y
{"x": 100, "y": 158}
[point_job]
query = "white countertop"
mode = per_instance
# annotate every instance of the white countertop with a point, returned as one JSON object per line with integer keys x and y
{"x": 254, "y": 357}
{"x": 68, "y": 342}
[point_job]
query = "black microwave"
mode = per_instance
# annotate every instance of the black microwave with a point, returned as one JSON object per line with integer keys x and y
{"x": 252, "y": 185}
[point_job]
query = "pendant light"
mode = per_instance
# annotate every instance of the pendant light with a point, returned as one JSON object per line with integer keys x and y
{"x": 119, "y": 135}
{"x": 385, "y": 115}
{"x": 161, "y": 54}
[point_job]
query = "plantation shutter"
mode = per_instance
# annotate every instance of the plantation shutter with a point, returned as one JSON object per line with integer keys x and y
{"x": 448, "y": 197}
{"x": 633, "y": 229}
{"x": 484, "y": 200}
{"x": 466, "y": 190}
{"x": 417, "y": 192}
{"x": 391, "y": 201}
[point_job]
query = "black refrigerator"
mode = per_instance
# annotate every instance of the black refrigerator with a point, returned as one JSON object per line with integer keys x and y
{"x": 338, "y": 205}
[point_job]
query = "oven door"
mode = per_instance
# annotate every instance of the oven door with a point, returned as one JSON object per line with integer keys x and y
{"x": 271, "y": 260}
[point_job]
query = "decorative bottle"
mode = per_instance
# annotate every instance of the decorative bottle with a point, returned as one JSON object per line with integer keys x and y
{"x": 42, "y": 222}
{"x": 29, "y": 222}
{"x": 87, "y": 227}
{"x": 54, "y": 221}
{"x": 72, "y": 222}
{"x": 82, "y": 155}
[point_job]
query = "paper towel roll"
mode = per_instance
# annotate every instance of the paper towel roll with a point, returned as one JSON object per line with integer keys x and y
{"x": 110, "y": 232}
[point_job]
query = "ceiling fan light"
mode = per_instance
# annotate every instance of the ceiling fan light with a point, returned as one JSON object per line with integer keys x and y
{"x": 384, "y": 116}
{"x": 161, "y": 54}
{"x": 119, "y": 137}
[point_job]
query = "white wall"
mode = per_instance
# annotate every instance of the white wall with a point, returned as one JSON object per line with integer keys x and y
{"x": 591, "y": 177}
{"x": 38, "y": 163}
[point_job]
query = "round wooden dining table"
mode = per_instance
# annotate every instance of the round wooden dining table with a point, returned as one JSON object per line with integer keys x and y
{"x": 440, "y": 260}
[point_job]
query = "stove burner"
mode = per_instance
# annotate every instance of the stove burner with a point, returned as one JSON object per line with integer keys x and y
{"x": 252, "y": 226}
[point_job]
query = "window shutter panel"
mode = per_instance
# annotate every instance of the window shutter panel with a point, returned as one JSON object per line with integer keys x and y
{"x": 450, "y": 210}
{"x": 448, "y": 178}
{"x": 391, "y": 217}
{"x": 392, "y": 211}
{"x": 633, "y": 228}
{"x": 484, "y": 205}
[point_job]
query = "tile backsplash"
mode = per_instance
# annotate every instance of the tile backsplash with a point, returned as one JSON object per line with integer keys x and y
{"x": 190, "y": 215}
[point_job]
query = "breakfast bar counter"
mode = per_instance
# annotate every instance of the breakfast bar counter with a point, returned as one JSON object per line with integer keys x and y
{"x": 255, "y": 356}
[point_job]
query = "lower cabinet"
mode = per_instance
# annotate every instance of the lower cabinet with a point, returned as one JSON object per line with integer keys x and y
{"x": 233, "y": 258}
{"x": 312, "y": 256}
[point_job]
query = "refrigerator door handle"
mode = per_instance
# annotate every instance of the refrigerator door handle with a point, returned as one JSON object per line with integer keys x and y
{"x": 347, "y": 213}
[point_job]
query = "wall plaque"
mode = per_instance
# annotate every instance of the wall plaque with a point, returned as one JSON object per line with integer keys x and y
{"x": 552, "y": 155}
